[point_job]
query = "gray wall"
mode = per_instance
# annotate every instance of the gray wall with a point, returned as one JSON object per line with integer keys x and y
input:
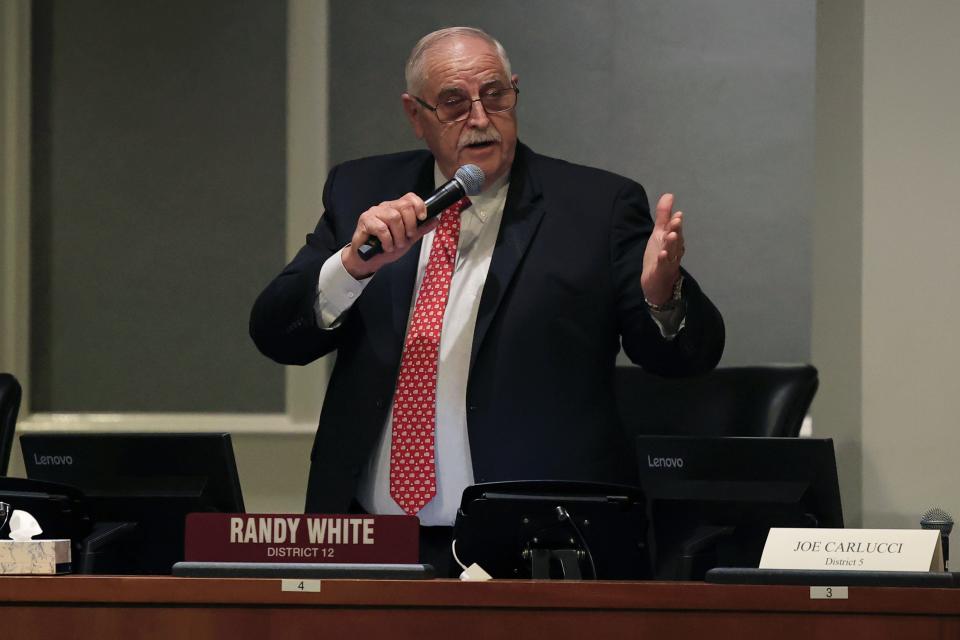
{"x": 159, "y": 202}
{"x": 159, "y": 182}
{"x": 838, "y": 243}
{"x": 911, "y": 224}
{"x": 711, "y": 100}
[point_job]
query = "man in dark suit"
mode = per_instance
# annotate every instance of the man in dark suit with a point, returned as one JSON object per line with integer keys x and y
{"x": 551, "y": 267}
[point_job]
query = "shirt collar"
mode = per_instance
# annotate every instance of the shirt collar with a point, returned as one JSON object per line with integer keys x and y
{"x": 485, "y": 203}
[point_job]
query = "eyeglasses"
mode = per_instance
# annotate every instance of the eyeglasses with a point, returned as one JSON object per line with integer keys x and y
{"x": 456, "y": 107}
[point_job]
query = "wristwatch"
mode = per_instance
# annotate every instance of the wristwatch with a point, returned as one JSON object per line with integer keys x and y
{"x": 674, "y": 300}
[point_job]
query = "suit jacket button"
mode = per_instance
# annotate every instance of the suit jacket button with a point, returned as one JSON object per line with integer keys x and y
{"x": 380, "y": 403}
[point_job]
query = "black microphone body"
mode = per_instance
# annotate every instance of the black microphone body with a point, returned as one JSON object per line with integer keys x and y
{"x": 939, "y": 520}
{"x": 467, "y": 181}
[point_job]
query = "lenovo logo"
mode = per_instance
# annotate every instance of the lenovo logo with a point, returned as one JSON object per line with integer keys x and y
{"x": 52, "y": 461}
{"x": 664, "y": 463}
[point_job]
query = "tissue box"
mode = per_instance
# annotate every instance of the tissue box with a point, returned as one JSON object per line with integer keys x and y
{"x": 34, "y": 557}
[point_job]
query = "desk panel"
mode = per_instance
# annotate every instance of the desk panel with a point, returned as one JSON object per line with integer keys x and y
{"x": 163, "y": 607}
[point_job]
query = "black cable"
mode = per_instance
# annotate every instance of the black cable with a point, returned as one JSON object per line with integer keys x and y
{"x": 563, "y": 514}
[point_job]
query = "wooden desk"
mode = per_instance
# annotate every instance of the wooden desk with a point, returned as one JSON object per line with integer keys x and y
{"x": 161, "y": 607}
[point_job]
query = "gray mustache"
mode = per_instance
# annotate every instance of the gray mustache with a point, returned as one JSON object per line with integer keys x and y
{"x": 475, "y": 137}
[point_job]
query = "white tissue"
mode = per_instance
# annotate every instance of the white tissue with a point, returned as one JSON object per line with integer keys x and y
{"x": 475, "y": 573}
{"x": 23, "y": 526}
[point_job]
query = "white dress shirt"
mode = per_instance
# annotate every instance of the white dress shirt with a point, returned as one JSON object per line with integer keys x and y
{"x": 337, "y": 290}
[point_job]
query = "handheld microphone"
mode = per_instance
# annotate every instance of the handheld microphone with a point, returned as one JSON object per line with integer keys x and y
{"x": 940, "y": 520}
{"x": 467, "y": 181}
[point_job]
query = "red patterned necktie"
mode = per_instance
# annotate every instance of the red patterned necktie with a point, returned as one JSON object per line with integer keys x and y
{"x": 413, "y": 472}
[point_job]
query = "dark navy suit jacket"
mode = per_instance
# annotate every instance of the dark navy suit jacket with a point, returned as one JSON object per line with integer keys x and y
{"x": 562, "y": 292}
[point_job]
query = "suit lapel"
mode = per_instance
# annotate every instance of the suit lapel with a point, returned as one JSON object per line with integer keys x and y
{"x": 522, "y": 213}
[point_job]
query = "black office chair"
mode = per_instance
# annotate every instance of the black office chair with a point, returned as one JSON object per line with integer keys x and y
{"x": 767, "y": 400}
{"x": 10, "y": 393}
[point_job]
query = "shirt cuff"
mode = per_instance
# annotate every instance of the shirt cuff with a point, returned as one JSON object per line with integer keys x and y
{"x": 670, "y": 322}
{"x": 337, "y": 291}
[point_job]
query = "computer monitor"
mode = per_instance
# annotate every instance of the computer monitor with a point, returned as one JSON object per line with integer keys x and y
{"x": 139, "y": 488}
{"x": 714, "y": 499}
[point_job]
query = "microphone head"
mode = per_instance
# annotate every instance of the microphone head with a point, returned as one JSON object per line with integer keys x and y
{"x": 937, "y": 518}
{"x": 471, "y": 177}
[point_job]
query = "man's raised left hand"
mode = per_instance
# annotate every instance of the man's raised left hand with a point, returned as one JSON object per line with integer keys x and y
{"x": 661, "y": 260}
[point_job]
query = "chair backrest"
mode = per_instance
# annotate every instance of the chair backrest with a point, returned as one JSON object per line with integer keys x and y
{"x": 736, "y": 401}
{"x": 10, "y": 393}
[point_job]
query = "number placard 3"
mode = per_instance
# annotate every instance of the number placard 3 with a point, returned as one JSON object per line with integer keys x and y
{"x": 828, "y": 593}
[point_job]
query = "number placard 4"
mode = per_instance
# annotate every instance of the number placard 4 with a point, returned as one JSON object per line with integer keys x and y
{"x": 303, "y": 586}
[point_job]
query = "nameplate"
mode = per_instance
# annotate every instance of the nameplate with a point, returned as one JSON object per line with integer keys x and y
{"x": 853, "y": 550}
{"x": 298, "y": 537}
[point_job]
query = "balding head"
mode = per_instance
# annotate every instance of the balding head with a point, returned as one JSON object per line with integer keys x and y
{"x": 416, "y": 72}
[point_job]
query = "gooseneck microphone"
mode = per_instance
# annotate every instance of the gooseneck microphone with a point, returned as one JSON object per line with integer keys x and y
{"x": 467, "y": 181}
{"x": 940, "y": 520}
